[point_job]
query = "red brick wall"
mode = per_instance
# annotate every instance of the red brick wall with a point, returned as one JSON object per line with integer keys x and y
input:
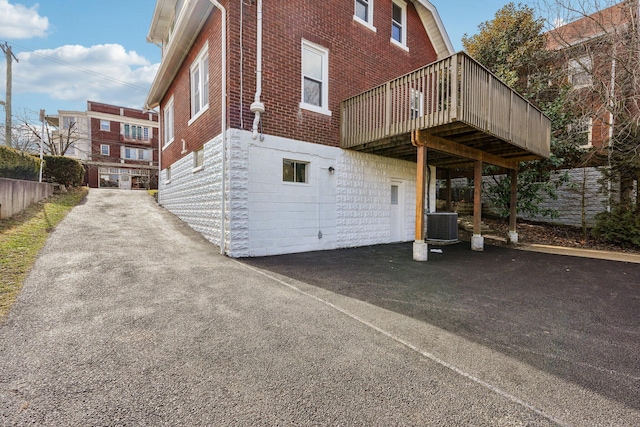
{"x": 359, "y": 59}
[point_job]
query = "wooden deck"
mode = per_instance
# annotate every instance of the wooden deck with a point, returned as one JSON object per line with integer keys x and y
{"x": 462, "y": 111}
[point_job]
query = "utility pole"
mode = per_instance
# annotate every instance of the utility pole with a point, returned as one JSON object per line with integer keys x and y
{"x": 7, "y": 107}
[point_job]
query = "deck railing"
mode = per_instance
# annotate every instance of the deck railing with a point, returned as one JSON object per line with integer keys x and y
{"x": 455, "y": 89}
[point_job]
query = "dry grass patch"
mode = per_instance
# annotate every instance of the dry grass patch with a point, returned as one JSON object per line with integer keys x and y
{"x": 23, "y": 235}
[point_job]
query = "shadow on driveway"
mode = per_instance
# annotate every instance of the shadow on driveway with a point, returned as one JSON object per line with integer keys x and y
{"x": 576, "y": 318}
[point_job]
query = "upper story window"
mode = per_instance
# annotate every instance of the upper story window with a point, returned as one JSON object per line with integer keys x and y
{"x": 199, "y": 72}
{"x": 135, "y": 132}
{"x": 129, "y": 153}
{"x": 104, "y": 149}
{"x": 105, "y": 125}
{"x": 399, "y": 23}
{"x": 582, "y": 131}
{"x": 315, "y": 78}
{"x": 168, "y": 121}
{"x": 68, "y": 122}
{"x": 580, "y": 70}
{"x": 364, "y": 13}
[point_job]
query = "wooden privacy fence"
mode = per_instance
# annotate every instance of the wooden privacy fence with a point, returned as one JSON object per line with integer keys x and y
{"x": 455, "y": 89}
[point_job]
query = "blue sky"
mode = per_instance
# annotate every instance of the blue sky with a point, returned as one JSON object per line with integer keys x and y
{"x": 71, "y": 51}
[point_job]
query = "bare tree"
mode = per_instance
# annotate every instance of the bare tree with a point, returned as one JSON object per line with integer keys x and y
{"x": 597, "y": 42}
{"x": 58, "y": 137}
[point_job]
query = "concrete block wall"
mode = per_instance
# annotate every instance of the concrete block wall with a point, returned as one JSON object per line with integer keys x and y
{"x": 266, "y": 216}
{"x": 16, "y": 195}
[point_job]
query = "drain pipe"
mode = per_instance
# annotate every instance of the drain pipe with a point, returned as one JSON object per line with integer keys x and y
{"x": 258, "y": 107}
{"x": 223, "y": 114}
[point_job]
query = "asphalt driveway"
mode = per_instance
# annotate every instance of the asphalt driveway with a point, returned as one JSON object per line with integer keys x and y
{"x": 131, "y": 318}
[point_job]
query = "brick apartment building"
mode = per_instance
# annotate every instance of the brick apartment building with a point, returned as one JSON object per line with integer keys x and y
{"x": 117, "y": 145}
{"x": 254, "y": 120}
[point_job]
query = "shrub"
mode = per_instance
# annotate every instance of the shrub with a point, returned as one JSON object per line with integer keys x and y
{"x": 63, "y": 170}
{"x": 15, "y": 164}
{"x": 620, "y": 226}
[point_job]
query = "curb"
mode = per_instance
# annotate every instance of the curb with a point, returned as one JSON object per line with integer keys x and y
{"x": 584, "y": 253}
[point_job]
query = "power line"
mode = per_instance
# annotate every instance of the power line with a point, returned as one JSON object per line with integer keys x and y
{"x": 84, "y": 70}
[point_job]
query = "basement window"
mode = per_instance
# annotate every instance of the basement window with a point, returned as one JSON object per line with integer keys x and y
{"x": 294, "y": 171}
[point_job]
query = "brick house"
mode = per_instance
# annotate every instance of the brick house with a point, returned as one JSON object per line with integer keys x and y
{"x": 305, "y": 152}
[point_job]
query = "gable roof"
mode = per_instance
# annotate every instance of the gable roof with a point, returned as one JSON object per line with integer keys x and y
{"x": 193, "y": 15}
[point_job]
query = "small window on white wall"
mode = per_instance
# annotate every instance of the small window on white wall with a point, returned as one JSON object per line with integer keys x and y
{"x": 399, "y": 23}
{"x": 364, "y": 13}
{"x": 315, "y": 78}
{"x": 198, "y": 160}
{"x": 294, "y": 171}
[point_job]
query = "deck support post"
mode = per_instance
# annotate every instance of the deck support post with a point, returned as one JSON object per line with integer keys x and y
{"x": 513, "y": 207}
{"x": 420, "y": 247}
{"x": 477, "y": 241}
{"x": 448, "y": 192}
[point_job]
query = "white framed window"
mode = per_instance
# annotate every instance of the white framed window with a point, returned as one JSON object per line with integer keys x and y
{"x": 168, "y": 121}
{"x": 294, "y": 171}
{"x": 135, "y": 132}
{"x": 104, "y": 149}
{"x": 363, "y": 13}
{"x": 68, "y": 122}
{"x": 580, "y": 70}
{"x": 168, "y": 175}
{"x": 129, "y": 153}
{"x": 315, "y": 78}
{"x": 399, "y": 23}
{"x": 199, "y": 72}
{"x": 105, "y": 125}
{"x": 582, "y": 130}
{"x": 198, "y": 160}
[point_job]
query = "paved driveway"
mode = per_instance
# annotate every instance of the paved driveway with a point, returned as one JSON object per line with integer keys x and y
{"x": 131, "y": 318}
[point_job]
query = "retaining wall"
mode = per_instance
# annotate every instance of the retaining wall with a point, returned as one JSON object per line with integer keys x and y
{"x": 16, "y": 195}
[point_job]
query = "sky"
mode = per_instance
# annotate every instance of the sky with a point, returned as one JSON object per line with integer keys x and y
{"x": 72, "y": 51}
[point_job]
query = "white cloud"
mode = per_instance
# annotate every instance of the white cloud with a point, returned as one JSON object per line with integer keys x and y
{"x": 104, "y": 73}
{"x": 20, "y": 22}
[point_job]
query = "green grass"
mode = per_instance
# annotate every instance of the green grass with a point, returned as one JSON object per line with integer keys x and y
{"x": 23, "y": 235}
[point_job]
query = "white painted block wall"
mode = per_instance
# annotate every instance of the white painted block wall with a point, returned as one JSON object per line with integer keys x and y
{"x": 266, "y": 216}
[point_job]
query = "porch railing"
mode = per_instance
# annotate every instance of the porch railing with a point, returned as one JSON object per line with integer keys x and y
{"x": 455, "y": 89}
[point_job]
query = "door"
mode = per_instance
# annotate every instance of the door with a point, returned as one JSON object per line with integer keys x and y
{"x": 396, "y": 200}
{"x": 125, "y": 181}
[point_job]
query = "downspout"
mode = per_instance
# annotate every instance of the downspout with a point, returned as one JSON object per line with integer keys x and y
{"x": 223, "y": 114}
{"x": 258, "y": 107}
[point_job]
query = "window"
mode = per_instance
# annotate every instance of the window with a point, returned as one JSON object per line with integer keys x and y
{"x": 364, "y": 13}
{"x": 168, "y": 176}
{"x": 399, "y": 23}
{"x": 200, "y": 83}
{"x": 580, "y": 72}
{"x": 294, "y": 171}
{"x": 104, "y": 149}
{"x": 135, "y": 154}
{"x": 581, "y": 130}
{"x": 198, "y": 159}
{"x": 68, "y": 122}
{"x": 136, "y": 132}
{"x": 168, "y": 122}
{"x": 105, "y": 125}
{"x": 315, "y": 77}
{"x": 394, "y": 194}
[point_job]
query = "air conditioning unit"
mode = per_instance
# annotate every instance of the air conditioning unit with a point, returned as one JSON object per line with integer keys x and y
{"x": 442, "y": 227}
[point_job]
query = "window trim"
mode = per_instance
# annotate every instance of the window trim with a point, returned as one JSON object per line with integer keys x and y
{"x": 403, "y": 25}
{"x": 577, "y": 66}
{"x": 107, "y": 122}
{"x": 369, "y": 22}
{"x": 295, "y": 162}
{"x": 323, "y": 108}
{"x": 136, "y": 154}
{"x": 167, "y": 179}
{"x": 203, "y": 84}
{"x": 168, "y": 108}
{"x": 198, "y": 160}
{"x": 108, "y": 150}
{"x": 586, "y": 123}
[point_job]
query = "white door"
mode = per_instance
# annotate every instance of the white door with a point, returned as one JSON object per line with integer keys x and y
{"x": 397, "y": 211}
{"x": 125, "y": 181}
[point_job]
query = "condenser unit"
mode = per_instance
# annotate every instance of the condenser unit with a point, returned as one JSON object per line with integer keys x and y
{"x": 442, "y": 227}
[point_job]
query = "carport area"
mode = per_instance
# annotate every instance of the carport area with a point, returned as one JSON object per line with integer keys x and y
{"x": 573, "y": 318}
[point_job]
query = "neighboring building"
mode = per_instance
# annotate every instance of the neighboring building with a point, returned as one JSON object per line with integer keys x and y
{"x": 117, "y": 145}
{"x": 267, "y": 146}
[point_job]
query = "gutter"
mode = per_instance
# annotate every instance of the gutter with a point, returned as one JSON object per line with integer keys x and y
{"x": 258, "y": 107}
{"x": 223, "y": 127}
